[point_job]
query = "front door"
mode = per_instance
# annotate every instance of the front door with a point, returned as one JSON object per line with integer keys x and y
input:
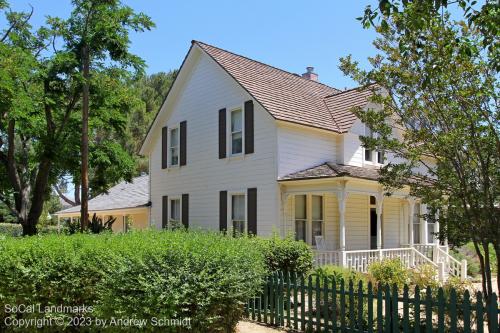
{"x": 373, "y": 228}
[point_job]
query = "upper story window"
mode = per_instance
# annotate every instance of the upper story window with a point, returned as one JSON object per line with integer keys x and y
{"x": 174, "y": 146}
{"x": 236, "y": 139}
{"x": 374, "y": 156}
{"x": 238, "y": 213}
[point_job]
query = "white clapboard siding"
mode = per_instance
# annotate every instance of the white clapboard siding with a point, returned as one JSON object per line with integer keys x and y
{"x": 391, "y": 222}
{"x": 208, "y": 89}
{"x": 300, "y": 148}
{"x": 357, "y": 222}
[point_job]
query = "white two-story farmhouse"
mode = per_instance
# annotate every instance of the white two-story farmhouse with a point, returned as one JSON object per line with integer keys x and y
{"x": 242, "y": 146}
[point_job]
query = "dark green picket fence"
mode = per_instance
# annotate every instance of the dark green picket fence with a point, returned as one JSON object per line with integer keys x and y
{"x": 311, "y": 305}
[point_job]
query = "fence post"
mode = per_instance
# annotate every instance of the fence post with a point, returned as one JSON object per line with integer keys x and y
{"x": 463, "y": 273}
{"x": 492, "y": 312}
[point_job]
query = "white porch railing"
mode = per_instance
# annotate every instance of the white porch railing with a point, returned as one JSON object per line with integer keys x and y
{"x": 322, "y": 258}
{"x": 411, "y": 257}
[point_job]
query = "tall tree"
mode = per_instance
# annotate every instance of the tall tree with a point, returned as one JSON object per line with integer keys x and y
{"x": 34, "y": 109}
{"x": 439, "y": 119}
{"x": 152, "y": 90}
{"x": 98, "y": 32}
{"x": 40, "y": 90}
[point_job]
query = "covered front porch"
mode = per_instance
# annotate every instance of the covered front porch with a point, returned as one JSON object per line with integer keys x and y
{"x": 350, "y": 223}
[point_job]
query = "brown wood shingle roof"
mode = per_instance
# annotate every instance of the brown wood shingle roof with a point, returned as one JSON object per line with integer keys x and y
{"x": 290, "y": 97}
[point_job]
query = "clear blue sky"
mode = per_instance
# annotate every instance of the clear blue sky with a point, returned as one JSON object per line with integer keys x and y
{"x": 289, "y": 34}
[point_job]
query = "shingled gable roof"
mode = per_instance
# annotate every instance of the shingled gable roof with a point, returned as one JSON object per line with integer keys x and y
{"x": 290, "y": 97}
{"x": 121, "y": 196}
{"x": 332, "y": 170}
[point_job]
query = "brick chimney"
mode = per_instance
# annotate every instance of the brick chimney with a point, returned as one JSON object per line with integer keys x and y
{"x": 310, "y": 75}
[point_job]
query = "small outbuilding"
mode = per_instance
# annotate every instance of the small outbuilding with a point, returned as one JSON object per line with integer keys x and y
{"x": 127, "y": 202}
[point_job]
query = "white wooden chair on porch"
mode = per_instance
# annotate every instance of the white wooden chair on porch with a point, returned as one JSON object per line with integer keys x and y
{"x": 320, "y": 243}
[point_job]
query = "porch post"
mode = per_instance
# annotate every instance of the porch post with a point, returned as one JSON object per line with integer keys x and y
{"x": 342, "y": 199}
{"x": 424, "y": 229}
{"x": 435, "y": 251}
{"x": 380, "y": 200}
{"x": 411, "y": 211}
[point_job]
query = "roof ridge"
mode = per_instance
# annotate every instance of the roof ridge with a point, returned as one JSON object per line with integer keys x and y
{"x": 350, "y": 89}
{"x": 262, "y": 63}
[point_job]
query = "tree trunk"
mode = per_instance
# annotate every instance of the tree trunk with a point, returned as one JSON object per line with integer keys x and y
{"x": 29, "y": 229}
{"x": 38, "y": 194}
{"x": 481, "y": 265}
{"x": 84, "y": 217}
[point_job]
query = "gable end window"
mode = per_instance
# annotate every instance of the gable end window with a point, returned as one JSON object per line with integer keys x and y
{"x": 374, "y": 156}
{"x": 236, "y": 132}
{"x": 174, "y": 146}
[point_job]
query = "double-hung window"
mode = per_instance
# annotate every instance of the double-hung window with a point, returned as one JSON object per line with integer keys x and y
{"x": 376, "y": 156}
{"x": 236, "y": 131}
{"x": 174, "y": 146}
{"x": 309, "y": 217}
{"x": 301, "y": 217}
{"x": 317, "y": 217}
{"x": 238, "y": 217}
{"x": 175, "y": 211}
{"x": 368, "y": 152}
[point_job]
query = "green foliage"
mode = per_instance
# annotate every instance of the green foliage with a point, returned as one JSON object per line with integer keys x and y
{"x": 469, "y": 254}
{"x": 11, "y": 229}
{"x": 424, "y": 276}
{"x": 285, "y": 254}
{"x": 389, "y": 271}
{"x": 96, "y": 224}
{"x": 170, "y": 274}
{"x": 338, "y": 273}
{"x": 49, "y": 229}
{"x": 437, "y": 91}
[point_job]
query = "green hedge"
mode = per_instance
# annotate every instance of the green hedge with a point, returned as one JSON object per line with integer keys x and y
{"x": 203, "y": 276}
{"x": 285, "y": 254}
{"x": 11, "y": 229}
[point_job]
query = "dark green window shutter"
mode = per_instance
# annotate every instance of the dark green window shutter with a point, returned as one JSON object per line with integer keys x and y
{"x": 164, "y": 147}
{"x": 252, "y": 210}
{"x": 185, "y": 210}
{"x": 223, "y": 210}
{"x": 222, "y": 133}
{"x": 164, "y": 212}
{"x": 249, "y": 127}
{"x": 183, "y": 136}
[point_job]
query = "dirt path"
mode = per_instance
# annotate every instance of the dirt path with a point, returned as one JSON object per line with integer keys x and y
{"x": 252, "y": 327}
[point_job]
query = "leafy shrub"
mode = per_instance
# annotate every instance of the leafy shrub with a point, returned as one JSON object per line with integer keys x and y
{"x": 339, "y": 273}
{"x": 171, "y": 274}
{"x": 11, "y": 229}
{"x": 285, "y": 254}
{"x": 48, "y": 229}
{"x": 329, "y": 273}
{"x": 473, "y": 267}
{"x": 389, "y": 271}
{"x": 424, "y": 276}
{"x": 96, "y": 224}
